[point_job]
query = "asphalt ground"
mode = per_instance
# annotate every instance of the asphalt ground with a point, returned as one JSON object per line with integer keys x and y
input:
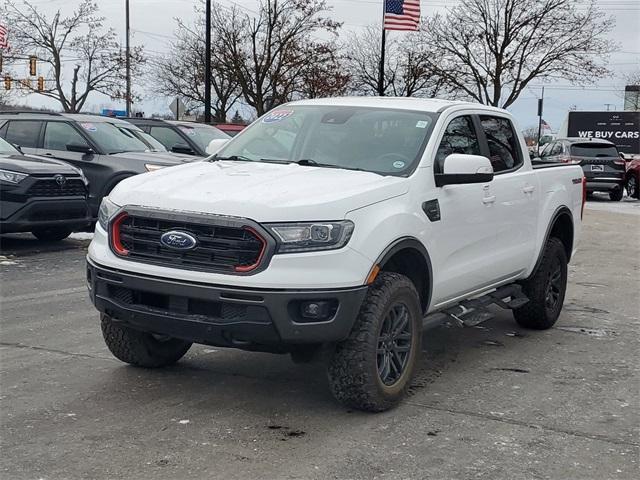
{"x": 494, "y": 402}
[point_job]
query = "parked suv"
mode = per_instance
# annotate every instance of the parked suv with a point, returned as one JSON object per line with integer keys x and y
{"x": 105, "y": 151}
{"x": 180, "y": 137}
{"x": 39, "y": 195}
{"x": 603, "y": 167}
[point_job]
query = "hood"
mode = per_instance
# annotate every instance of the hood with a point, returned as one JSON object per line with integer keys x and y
{"x": 160, "y": 158}
{"x": 261, "y": 191}
{"x": 31, "y": 164}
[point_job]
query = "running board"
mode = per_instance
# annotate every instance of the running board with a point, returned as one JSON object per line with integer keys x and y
{"x": 472, "y": 312}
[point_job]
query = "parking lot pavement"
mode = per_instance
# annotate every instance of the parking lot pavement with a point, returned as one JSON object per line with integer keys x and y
{"x": 495, "y": 402}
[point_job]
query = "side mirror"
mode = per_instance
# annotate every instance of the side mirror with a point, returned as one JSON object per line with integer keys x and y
{"x": 182, "y": 148}
{"x": 215, "y": 145}
{"x": 460, "y": 168}
{"x": 76, "y": 147}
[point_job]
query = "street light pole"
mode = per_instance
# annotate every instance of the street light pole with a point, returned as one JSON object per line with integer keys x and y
{"x": 128, "y": 60}
{"x": 207, "y": 64}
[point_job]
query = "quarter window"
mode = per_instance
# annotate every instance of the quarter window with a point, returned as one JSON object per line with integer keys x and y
{"x": 24, "y": 133}
{"x": 459, "y": 137}
{"x": 59, "y": 134}
{"x": 504, "y": 146}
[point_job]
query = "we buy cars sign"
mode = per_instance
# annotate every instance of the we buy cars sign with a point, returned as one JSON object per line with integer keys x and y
{"x": 621, "y": 128}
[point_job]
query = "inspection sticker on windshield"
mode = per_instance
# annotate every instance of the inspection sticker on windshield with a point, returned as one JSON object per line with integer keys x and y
{"x": 89, "y": 127}
{"x": 398, "y": 164}
{"x": 422, "y": 124}
{"x": 276, "y": 116}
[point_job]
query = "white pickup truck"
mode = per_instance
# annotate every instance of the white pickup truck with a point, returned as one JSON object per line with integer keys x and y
{"x": 344, "y": 226}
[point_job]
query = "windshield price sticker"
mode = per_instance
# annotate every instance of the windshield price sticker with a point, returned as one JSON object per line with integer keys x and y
{"x": 422, "y": 124}
{"x": 189, "y": 131}
{"x": 276, "y": 116}
{"x": 89, "y": 127}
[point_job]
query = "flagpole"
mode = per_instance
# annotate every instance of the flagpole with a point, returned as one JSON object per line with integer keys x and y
{"x": 540, "y": 107}
{"x": 382, "y": 52}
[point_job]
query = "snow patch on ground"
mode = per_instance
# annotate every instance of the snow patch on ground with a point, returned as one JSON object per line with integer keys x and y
{"x": 82, "y": 236}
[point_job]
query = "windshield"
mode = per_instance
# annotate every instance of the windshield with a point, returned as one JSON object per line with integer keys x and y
{"x": 202, "y": 134}
{"x": 6, "y": 148}
{"x": 378, "y": 140}
{"x": 151, "y": 143}
{"x": 112, "y": 139}
{"x": 593, "y": 150}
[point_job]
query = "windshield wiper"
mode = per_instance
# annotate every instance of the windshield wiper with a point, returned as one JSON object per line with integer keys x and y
{"x": 309, "y": 162}
{"x": 233, "y": 158}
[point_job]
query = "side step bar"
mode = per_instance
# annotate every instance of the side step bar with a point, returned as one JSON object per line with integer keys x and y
{"x": 469, "y": 313}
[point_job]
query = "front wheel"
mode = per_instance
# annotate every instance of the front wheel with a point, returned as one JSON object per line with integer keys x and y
{"x": 141, "y": 349}
{"x": 545, "y": 289}
{"x": 373, "y": 367}
{"x": 53, "y": 234}
{"x": 632, "y": 187}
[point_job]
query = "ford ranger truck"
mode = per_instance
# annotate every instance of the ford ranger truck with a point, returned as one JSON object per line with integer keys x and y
{"x": 337, "y": 228}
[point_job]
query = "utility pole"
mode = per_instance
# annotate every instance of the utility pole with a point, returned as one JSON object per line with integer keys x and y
{"x": 207, "y": 64}
{"x": 128, "y": 60}
{"x": 540, "y": 108}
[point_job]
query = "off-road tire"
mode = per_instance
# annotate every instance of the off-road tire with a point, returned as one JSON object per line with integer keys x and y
{"x": 537, "y": 314}
{"x": 141, "y": 349}
{"x": 53, "y": 234}
{"x": 353, "y": 368}
{"x": 616, "y": 195}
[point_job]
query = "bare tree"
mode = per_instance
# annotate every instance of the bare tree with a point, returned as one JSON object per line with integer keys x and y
{"x": 267, "y": 52}
{"x": 324, "y": 74}
{"x": 80, "y": 38}
{"x": 632, "y": 99}
{"x": 530, "y": 135}
{"x": 490, "y": 50}
{"x": 407, "y": 72}
{"x": 182, "y": 71}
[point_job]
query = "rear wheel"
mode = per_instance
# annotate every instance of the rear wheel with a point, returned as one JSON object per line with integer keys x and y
{"x": 545, "y": 289}
{"x": 53, "y": 234}
{"x": 141, "y": 349}
{"x": 632, "y": 187}
{"x": 616, "y": 195}
{"x": 373, "y": 367}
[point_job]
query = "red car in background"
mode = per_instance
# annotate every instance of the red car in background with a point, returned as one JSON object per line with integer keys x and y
{"x": 632, "y": 178}
{"x": 231, "y": 129}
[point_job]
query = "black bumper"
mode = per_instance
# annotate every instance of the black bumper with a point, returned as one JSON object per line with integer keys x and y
{"x": 44, "y": 213}
{"x": 251, "y": 319}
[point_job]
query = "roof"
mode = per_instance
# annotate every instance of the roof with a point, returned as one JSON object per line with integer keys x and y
{"x": 76, "y": 117}
{"x": 585, "y": 140}
{"x": 401, "y": 103}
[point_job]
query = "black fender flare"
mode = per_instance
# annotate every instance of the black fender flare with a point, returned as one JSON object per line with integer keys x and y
{"x": 560, "y": 211}
{"x": 413, "y": 243}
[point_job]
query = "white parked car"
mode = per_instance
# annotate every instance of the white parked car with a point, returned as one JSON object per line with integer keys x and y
{"x": 349, "y": 224}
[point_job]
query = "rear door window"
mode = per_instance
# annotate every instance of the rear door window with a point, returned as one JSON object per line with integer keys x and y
{"x": 58, "y": 135}
{"x": 504, "y": 147}
{"x": 593, "y": 150}
{"x": 25, "y": 133}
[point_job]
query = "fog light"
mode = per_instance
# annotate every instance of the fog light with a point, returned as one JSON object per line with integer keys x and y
{"x": 317, "y": 309}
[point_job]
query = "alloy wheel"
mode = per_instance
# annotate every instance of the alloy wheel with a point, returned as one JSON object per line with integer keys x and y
{"x": 394, "y": 344}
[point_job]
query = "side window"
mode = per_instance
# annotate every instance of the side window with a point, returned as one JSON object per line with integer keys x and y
{"x": 3, "y": 130}
{"x": 504, "y": 147}
{"x": 166, "y": 136}
{"x": 546, "y": 150}
{"x": 459, "y": 137}
{"x": 24, "y": 133}
{"x": 58, "y": 135}
{"x": 557, "y": 149}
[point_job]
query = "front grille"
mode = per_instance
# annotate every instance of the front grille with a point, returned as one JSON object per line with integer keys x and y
{"x": 220, "y": 247}
{"x": 199, "y": 309}
{"x": 73, "y": 187}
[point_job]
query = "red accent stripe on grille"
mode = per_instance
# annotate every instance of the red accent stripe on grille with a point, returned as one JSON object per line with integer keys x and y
{"x": 248, "y": 268}
{"x": 115, "y": 235}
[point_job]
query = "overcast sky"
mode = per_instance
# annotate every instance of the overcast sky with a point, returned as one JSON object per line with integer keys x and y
{"x": 153, "y": 23}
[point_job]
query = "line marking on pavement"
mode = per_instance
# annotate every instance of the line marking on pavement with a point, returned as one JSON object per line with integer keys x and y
{"x": 486, "y": 416}
{"x": 46, "y": 294}
{"x": 53, "y": 350}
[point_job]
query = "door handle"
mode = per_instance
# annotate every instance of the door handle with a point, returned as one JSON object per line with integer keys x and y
{"x": 528, "y": 189}
{"x": 487, "y": 200}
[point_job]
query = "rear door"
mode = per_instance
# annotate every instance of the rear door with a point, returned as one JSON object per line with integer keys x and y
{"x": 514, "y": 193}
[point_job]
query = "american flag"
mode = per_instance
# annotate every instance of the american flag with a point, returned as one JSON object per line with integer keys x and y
{"x": 4, "y": 41}
{"x": 401, "y": 14}
{"x": 545, "y": 125}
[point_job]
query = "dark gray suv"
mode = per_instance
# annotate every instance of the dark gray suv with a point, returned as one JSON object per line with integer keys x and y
{"x": 107, "y": 150}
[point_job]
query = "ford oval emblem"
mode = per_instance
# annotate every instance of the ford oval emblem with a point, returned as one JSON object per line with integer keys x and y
{"x": 178, "y": 240}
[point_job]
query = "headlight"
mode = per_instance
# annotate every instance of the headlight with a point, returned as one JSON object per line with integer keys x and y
{"x": 312, "y": 236}
{"x": 107, "y": 210}
{"x": 152, "y": 168}
{"x": 12, "y": 177}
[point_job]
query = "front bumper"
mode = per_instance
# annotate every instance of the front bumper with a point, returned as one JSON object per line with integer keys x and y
{"x": 72, "y": 213}
{"x": 251, "y": 319}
